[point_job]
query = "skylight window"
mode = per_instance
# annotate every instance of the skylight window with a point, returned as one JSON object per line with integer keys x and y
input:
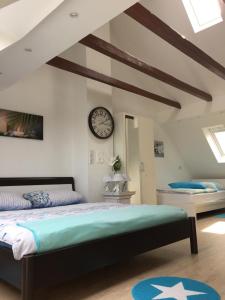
{"x": 203, "y": 13}
{"x": 216, "y": 139}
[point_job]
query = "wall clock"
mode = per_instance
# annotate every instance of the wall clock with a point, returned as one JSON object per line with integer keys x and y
{"x": 101, "y": 123}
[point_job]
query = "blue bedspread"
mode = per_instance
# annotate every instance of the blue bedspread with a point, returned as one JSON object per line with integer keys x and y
{"x": 66, "y": 231}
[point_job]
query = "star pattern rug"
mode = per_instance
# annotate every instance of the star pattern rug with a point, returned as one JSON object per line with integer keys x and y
{"x": 173, "y": 288}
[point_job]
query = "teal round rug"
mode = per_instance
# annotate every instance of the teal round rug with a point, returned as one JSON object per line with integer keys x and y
{"x": 173, "y": 288}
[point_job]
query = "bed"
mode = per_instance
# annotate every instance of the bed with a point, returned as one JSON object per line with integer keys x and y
{"x": 34, "y": 271}
{"x": 193, "y": 201}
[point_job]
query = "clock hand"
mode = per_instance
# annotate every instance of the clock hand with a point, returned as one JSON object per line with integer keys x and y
{"x": 103, "y": 122}
{"x": 100, "y": 123}
{"x": 106, "y": 122}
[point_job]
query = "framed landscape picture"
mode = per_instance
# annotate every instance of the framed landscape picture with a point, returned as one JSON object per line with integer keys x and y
{"x": 159, "y": 149}
{"x": 20, "y": 125}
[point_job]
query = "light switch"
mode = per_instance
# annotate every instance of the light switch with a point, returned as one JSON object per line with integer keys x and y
{"x": 91, "y": 157}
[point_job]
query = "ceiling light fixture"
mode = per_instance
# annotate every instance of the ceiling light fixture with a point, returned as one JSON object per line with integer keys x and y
{"x": 74, "y": 14}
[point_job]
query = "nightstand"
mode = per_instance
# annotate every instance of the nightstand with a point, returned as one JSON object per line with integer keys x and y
{"x": 123, "y": 197}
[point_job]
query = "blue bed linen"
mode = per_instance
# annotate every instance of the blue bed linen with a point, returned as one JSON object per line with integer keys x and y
{"x": 56, "y": 233}
{"x": 187, "y": 185}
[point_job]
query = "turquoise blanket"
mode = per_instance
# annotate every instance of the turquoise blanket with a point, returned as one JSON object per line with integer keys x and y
{"x": 50, "y": 234}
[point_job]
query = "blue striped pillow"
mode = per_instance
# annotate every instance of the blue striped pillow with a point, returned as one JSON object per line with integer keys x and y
{"x": 64, "y": 197}
{"x": 13, "y": 201}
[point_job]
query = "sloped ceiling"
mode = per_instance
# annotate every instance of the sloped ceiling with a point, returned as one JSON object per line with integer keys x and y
{"x": 139, "y": 41}
{"x": 56, "y": 33}
{"x": 184, "y": 127}
{"x": 59, "y": 32}
{"x": 193, "y": 147}
{"x": 6, "y": 2}
{"x": 13, "y": 26}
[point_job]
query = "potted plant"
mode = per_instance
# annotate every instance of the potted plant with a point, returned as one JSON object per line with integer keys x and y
{"x": 116, "y": 164}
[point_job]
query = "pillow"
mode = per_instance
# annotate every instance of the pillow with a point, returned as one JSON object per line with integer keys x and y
{"x": 65, "y": 197}
{"x": 13, "y": 201}
{"x": 187, "y": 185}
{"x": 38, "y": 199}
{"x": 213, "y": 185}
{"x": 41, "y": 199}
{"x": 219, "y": 186}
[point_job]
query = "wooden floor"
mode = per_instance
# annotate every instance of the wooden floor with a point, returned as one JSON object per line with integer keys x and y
{"x": 175, "y": 260}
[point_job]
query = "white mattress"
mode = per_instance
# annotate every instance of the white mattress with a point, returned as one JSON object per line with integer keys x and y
{"x": 197, "y": 198}
{"x": 186, "y": 191}
{"x": 21, "y": 240}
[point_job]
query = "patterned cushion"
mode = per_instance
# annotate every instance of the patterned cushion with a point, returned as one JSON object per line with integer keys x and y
{"x": 13, "y": 201}
{"x": 38, "y": 199}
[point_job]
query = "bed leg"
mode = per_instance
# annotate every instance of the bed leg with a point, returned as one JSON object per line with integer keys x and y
{"x": 27, "y": 289}
{"x": 193, "y": 236}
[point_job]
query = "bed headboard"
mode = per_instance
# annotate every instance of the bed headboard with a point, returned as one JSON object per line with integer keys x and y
{"x": 32, "y": 181}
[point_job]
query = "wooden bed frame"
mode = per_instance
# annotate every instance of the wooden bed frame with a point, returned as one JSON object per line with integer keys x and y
{"x": 39, "y": 271}
{"x": 193, "y": 204}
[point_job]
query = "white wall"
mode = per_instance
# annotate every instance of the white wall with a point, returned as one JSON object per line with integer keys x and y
{"x": 102, "y": 148}
{"x": 146, "y": 150}
{"x": 65, "y": 100}
{"x": 77, "y": 117}
{"x": 21, "y": 157}
{"x": 59, "y": 96}
{"x": 132, "y": 158}
{"x": 99, "y": 94}
{"x": 172, "y": 167}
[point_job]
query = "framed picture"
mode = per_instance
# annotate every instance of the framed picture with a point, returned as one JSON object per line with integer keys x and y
{"x": 159, "y": 149}
{"x": 20, "y": 125}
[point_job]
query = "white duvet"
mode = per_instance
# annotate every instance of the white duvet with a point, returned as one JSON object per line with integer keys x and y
{"x": 21, "y": 240}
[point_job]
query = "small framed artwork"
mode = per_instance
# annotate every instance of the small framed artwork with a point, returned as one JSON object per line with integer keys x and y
{"x": 20, "y": 125}
{"x": 159, "y": 149}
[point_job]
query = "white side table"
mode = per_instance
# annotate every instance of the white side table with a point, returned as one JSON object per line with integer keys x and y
{"x": 123, "y": 197}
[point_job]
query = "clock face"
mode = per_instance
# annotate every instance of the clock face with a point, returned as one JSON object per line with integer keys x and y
{"x": 101, "y": 122}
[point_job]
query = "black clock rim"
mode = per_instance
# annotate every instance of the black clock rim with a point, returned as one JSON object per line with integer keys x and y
{"x": 91, "y": 127}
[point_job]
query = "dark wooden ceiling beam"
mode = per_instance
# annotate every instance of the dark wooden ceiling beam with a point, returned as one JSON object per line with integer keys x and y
{"x": 108, "y": 49}
{"x": 72, "y": 67}
{"x": 142, "y": 15}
